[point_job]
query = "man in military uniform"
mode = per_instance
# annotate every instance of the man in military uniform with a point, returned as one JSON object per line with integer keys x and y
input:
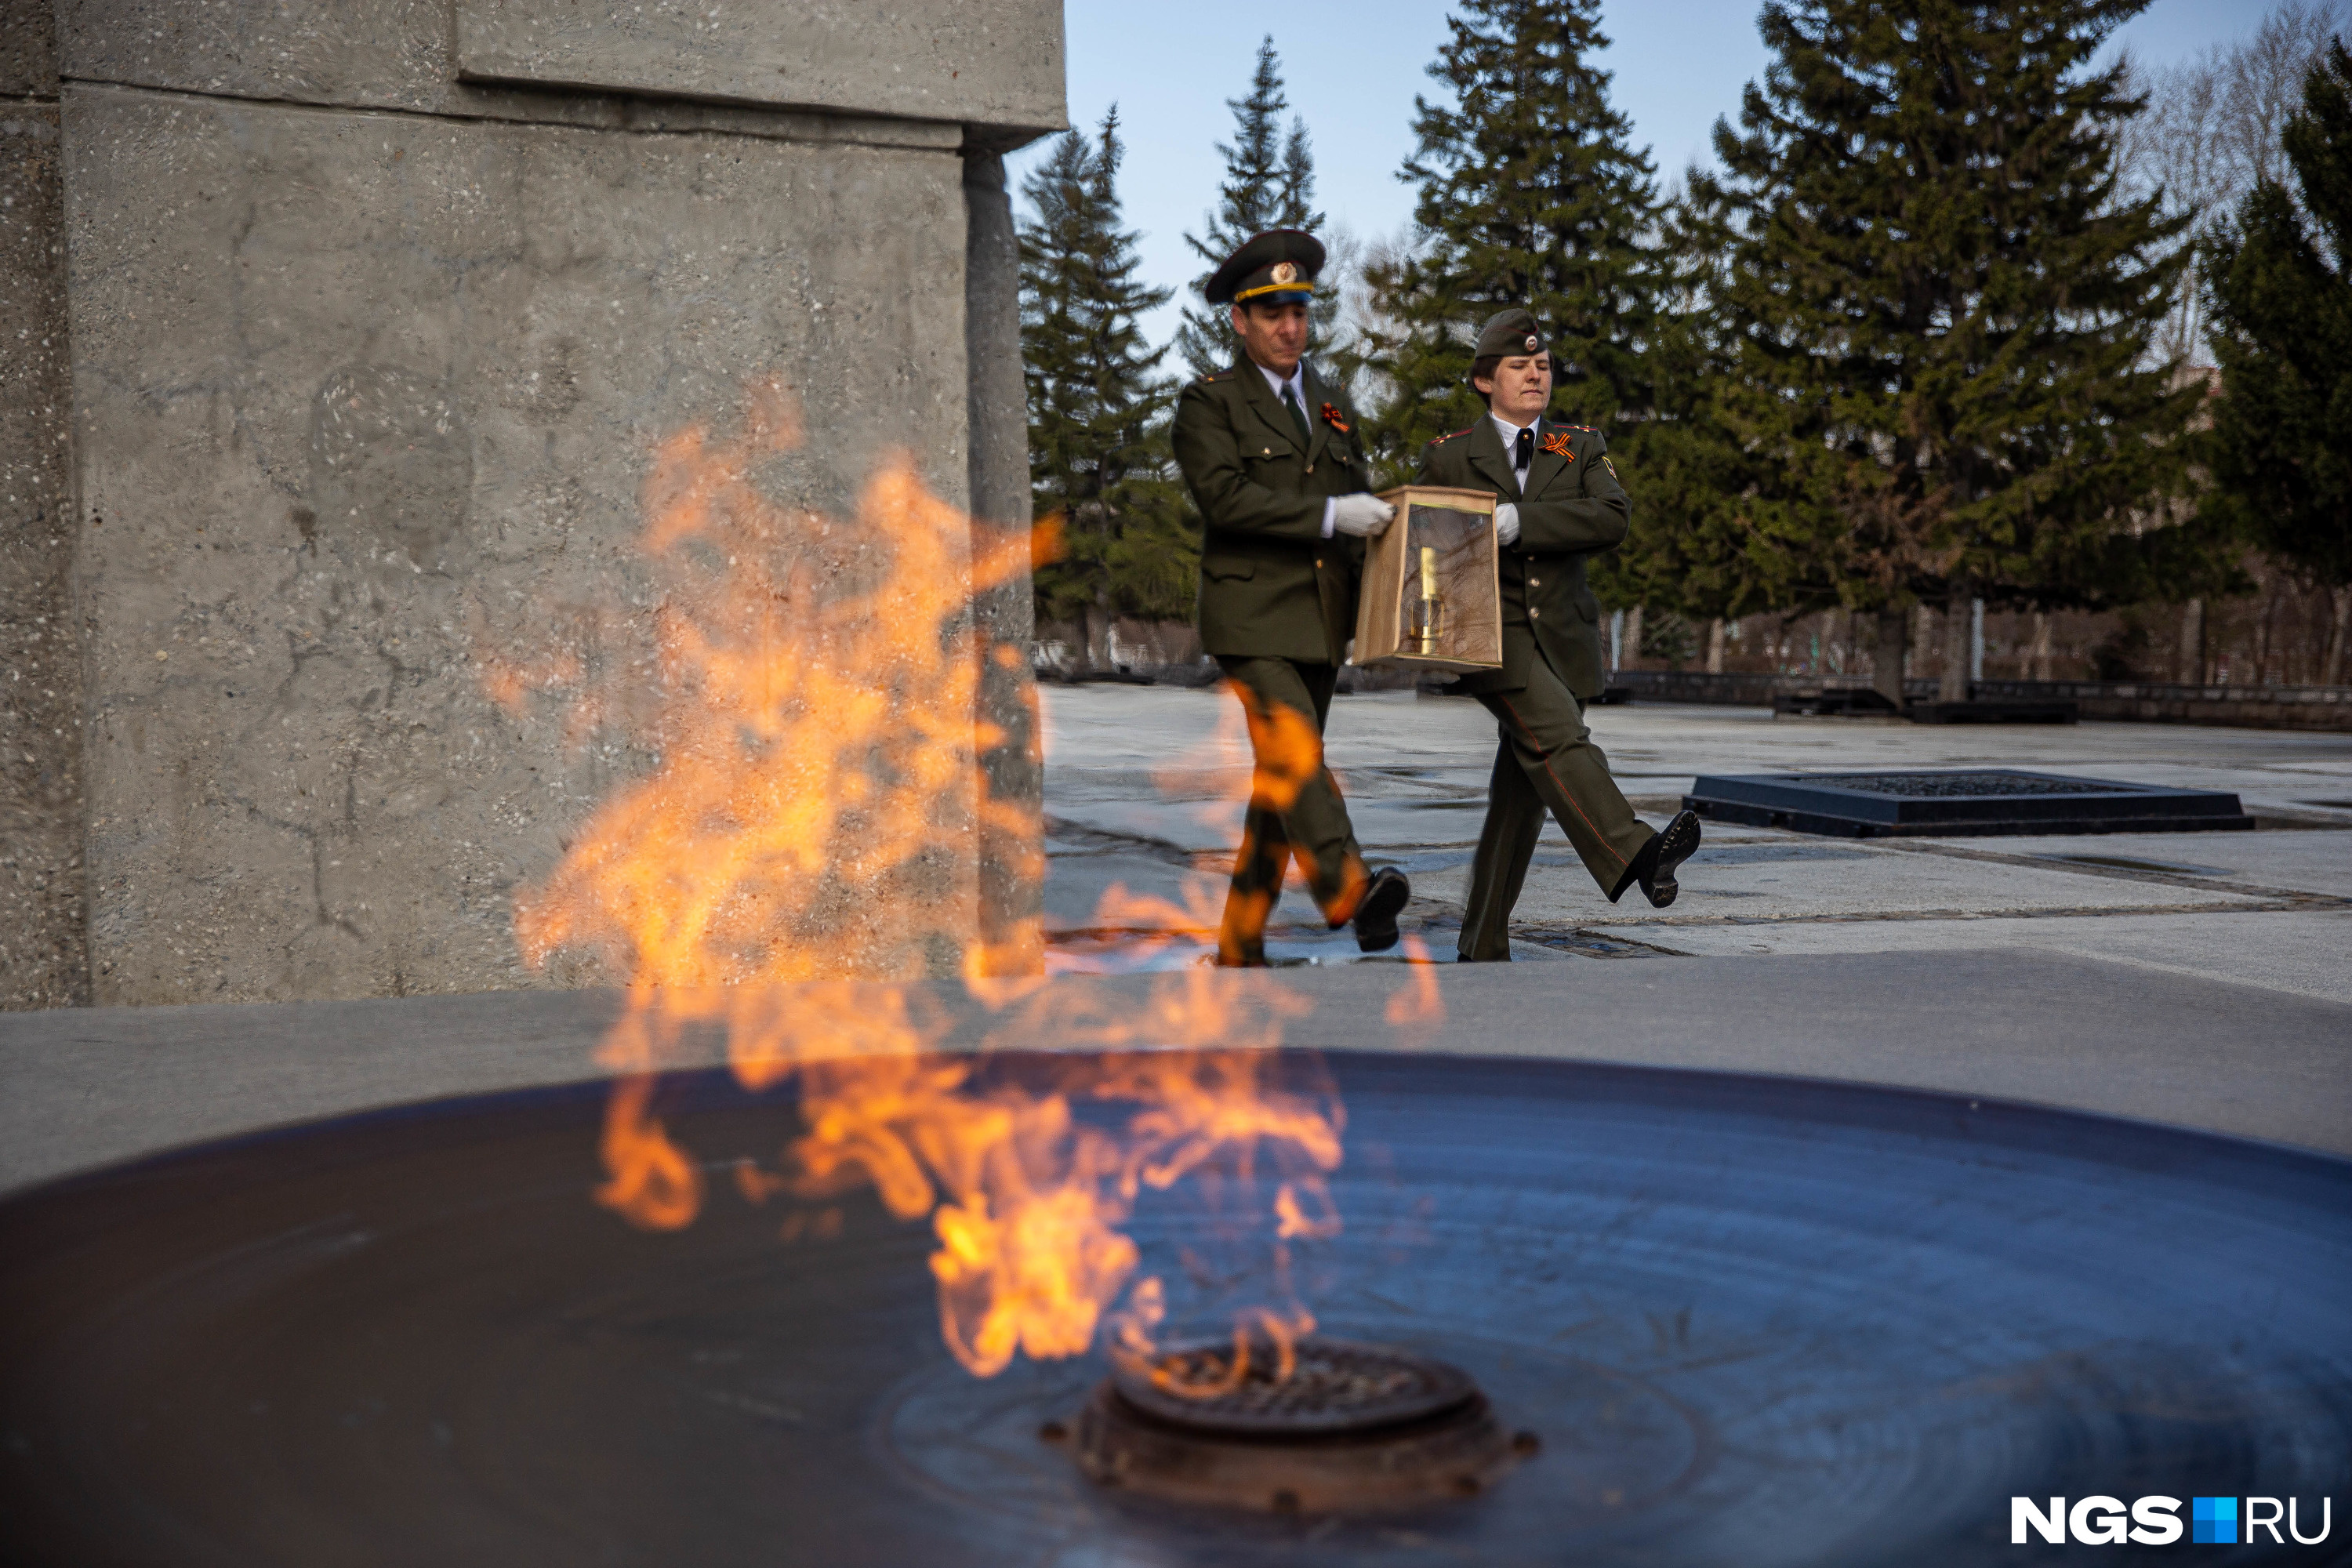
{"x": 1270, "y": 453}
{"x": 1558, "y": 501}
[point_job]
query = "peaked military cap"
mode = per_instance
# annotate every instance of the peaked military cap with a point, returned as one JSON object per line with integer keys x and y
{"x": 1279, "y": 267}
{"x": 1508, "y": 333}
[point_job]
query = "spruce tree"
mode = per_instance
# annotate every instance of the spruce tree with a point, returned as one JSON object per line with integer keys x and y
{"x": 1097, "y": 407}
{"x": 2280, "y": 286}
{"x": 1530, "y": 193}
{"x": 1694, "y": 548}
{"x": 1269, "y": 183}
{"x": 1944, "y": 307}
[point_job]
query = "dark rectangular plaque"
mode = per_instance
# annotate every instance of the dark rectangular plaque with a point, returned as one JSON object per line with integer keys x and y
{"x": 1976, "y": 803}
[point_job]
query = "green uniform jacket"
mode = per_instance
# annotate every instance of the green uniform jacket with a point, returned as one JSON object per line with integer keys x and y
{"x": 1271, "y": 586}
{"x": 1573, "y": 507}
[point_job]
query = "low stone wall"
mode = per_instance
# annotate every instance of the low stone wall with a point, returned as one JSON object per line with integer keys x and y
{"x": 1740, "y": 689}
{"x": 2254, "y": 706}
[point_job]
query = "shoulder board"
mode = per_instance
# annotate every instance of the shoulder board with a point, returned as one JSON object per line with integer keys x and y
{"x": 1586, "y": 428}
{"x": 1218, "y": 375}
{"x": 1453, "y": 434}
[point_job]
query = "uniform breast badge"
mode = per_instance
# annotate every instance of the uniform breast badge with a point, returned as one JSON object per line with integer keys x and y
{"x": 1334, "y": 418}
{"x": 1555, "y": 444}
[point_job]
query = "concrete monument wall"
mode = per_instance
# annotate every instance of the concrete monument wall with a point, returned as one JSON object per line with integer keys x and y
{"x": 366, "y": 365}
{"x": 44, "y": 961}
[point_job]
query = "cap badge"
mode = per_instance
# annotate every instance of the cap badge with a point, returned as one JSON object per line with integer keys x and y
{"x": 1285, "y": 272}
{"x": 1534, "y": 342}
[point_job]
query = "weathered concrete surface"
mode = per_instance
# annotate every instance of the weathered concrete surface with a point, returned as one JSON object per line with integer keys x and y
{"x": 986, "y": 62}
{"x": 28, "y": 49}
{"x": 43, "y": 960}
{"x": 1012, "y": 872}
{"x": 89, "y": 1086}
{"x": 399, "y": 54}
{"x": 365, "y": 397}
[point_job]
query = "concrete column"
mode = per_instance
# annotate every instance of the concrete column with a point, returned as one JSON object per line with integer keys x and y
{"x": 1975, "y": 641}
{"x": 1952, "y": 678}
{"x": 44, "y": 955}
{"x": 1011, "y": 866}
{"x": 378, "y": 314}
{"x": 1887, "y": 659}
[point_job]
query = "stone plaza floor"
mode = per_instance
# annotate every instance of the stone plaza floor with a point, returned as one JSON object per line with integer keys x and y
{"x": 1144, "y": 788}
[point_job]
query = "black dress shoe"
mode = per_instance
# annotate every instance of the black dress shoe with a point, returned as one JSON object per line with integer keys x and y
{"x": 1376, "y": 911}
{"x": 1653, "y": 865}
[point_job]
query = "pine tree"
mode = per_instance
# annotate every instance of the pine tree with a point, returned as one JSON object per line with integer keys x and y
{"x": 2280, "y": 283}
{"x": 1944, "y": 307}
{"x": 1530, "y": 193}
{"x": 1098, "y": 408}
{"x": 1269, "y": 183}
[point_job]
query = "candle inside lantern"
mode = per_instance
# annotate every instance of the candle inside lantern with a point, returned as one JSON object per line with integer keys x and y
{"x": 1429, "y": 610}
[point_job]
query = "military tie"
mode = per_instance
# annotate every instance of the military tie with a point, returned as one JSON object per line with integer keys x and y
{"x": 1298, "y": 414}
{"x": 1522, "y": 455}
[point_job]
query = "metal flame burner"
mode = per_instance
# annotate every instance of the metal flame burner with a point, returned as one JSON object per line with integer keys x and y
{"x": 1354, "y": 1428}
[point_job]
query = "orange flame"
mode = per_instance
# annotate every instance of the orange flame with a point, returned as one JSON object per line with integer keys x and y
{"x": 817, "y": 812}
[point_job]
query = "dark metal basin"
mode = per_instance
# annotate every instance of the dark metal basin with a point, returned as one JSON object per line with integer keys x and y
{"x": 1753, "y": 1320}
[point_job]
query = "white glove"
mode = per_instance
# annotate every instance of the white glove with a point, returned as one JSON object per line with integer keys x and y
{"x": 1361, "y": 515}
{"x": 1506, "y": 523}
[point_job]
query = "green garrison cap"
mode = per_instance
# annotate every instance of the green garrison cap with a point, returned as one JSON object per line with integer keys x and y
{"x": 1279, "y": 266}
{"x": 1510, "y": 333}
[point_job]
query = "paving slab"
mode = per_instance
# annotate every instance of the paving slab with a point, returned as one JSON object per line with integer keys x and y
{"x": 2318, "y": 862}
{"x": 2300, "y": 952}
{"x": 1803, "y": 878}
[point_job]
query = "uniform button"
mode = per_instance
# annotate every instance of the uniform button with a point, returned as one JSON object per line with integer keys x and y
{"x": 1318, "y": 561}
{"x": 1535, "y": 581}
{"x": 1535, "y": 614}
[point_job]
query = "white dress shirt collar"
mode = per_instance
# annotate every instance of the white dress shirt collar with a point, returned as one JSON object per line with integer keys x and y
{"x": 1296, "y": 381}
{"x": 1510, "y": 434}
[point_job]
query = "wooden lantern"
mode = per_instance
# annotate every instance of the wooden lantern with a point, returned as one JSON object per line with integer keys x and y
{"x": 1432, "y": 597}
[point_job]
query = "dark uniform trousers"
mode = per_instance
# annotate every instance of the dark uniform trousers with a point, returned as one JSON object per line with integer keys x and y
{"x": 1570, "y": 506}
{"x": 1547, "y": 763}
{"x": 1294, "y": 803}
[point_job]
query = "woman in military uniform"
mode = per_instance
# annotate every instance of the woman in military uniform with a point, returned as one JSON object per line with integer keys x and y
{"x": 1558, "y": 501}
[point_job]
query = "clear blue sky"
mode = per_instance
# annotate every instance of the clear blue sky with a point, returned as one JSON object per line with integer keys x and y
{"x": 1352, "y": 72}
